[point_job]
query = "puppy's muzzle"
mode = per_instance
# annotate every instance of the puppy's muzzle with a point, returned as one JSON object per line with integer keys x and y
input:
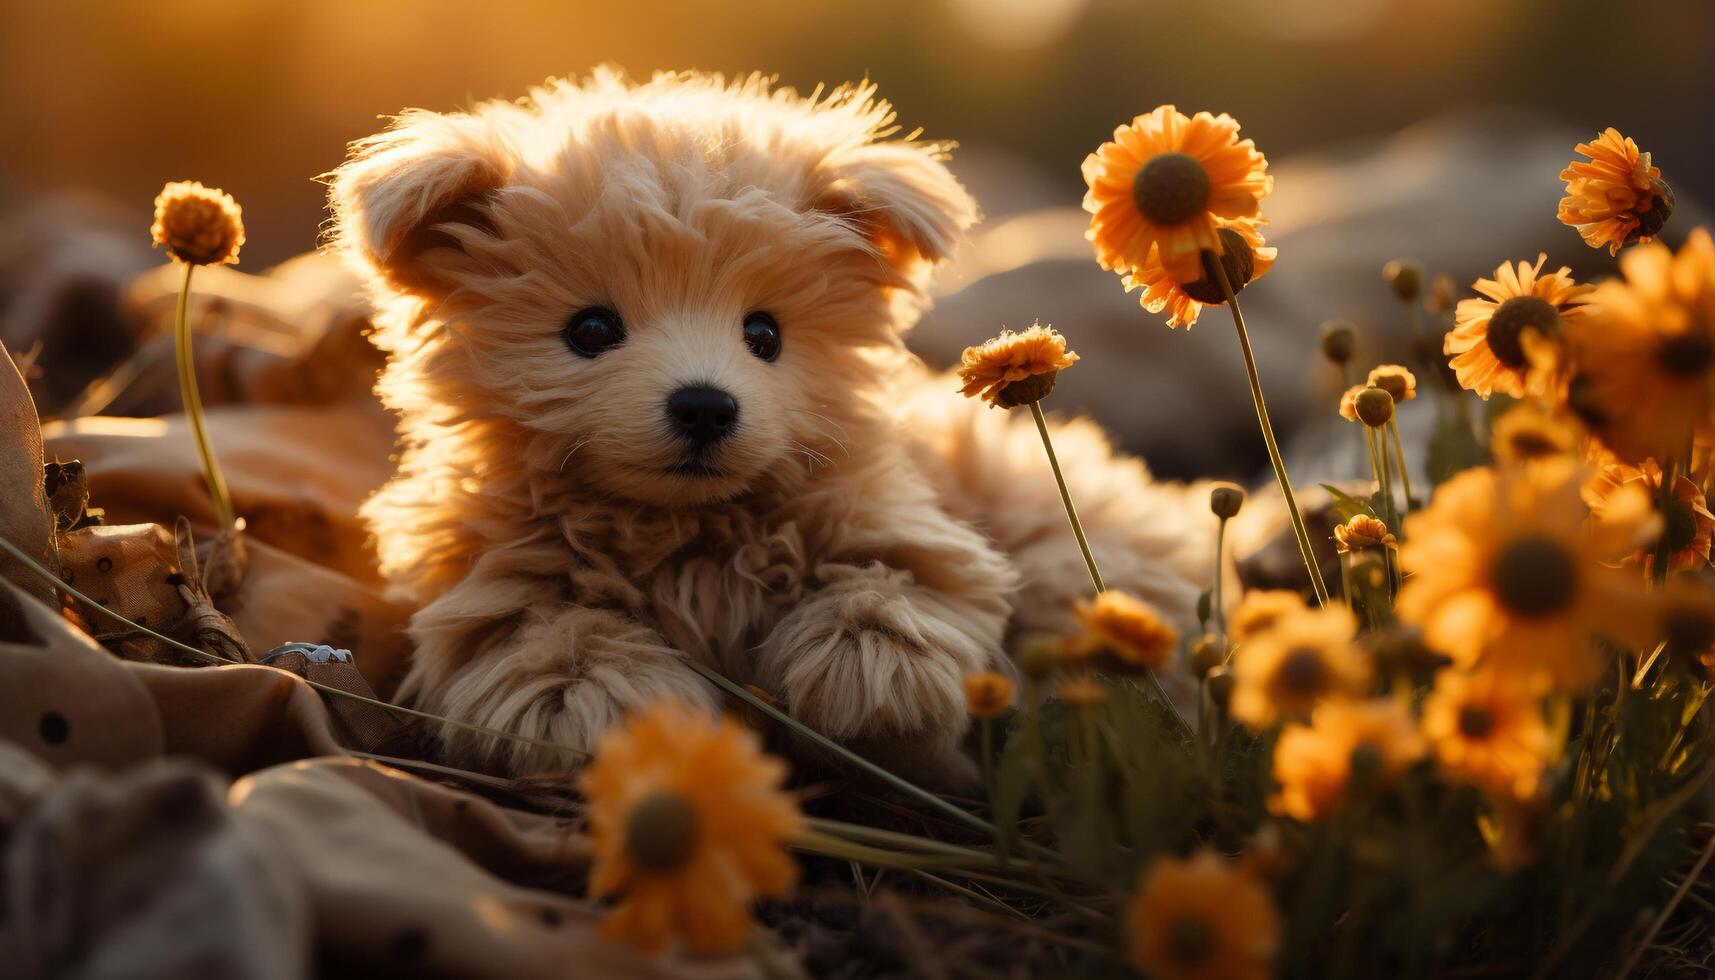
{"x": 701, "y": 415}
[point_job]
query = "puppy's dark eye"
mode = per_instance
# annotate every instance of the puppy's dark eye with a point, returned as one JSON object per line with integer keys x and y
{"x": 591, "y": 331}
{"x": 762, "y": 335}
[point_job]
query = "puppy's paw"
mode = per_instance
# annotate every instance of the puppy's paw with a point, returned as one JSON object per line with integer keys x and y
{"x": 559, "y": 682}
{"x": 879, "y": 665}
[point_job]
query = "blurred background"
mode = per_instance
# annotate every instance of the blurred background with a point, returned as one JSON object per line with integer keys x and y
{"x": 1433, "y": 129}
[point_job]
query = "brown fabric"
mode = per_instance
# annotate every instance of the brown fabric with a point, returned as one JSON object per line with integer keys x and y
{"x": 67, "y": 700}
{"x": 119, "y": 862}
{"x": 25, "y": 519}
{"x": 392, "y": 897}
{"x": 285, "y": 599}
{"x": 297, "y": 474}
{"x": 356, "y": 724}
{"x": 140, "y": 874}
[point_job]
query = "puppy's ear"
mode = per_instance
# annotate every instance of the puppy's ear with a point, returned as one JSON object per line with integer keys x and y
{"x": 904, "y": 199}
{"x": 407, "y": 198}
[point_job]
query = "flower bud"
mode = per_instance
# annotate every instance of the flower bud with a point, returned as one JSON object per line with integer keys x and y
{"x": 1220, "y": 682}
{"x": 1339, "y": 341}
{"x": 1208, "y": 653}
{"x": 1374, "y": 406}
{"x": 1237, "y": 258}
{"x": 1406, "y": 278}
{"x": 1038, "y": 657}
{"x": 1205, "y": 605}
{"x": 1225, "y": 499}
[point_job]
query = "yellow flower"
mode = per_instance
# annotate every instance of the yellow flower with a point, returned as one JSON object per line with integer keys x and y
{"x": 1489, "y": 343}
{"x": 1296, "y": 662}
{"x": 1644, "y": 356}
{"x": 1349, "y": 402}
{"x": 1362, "y": 531}
{"x": 689, "y": 826}
{"x": 1396, "y": 379}
{"x": 1082, "y": 692}
{"x": 1526, "y": 433}
{"x": 1202, "y": 918}
{"x": 1128, "y": 628}
{"x": 1616, "y": 198}
{"x": 1506, "y": 571}
{"x": 1260, "y": 609}
{"x": 1687, "y": 522}
{"x": 1370, "y": 741}
{"x": 1184, "y": 300}
{"x": 1489, "y": 731}
{"x": 987, "y": 694}
{"x": 1163, "y": 184}
{"x": 1015, "y": 368}
{"x": 198, "y": 225}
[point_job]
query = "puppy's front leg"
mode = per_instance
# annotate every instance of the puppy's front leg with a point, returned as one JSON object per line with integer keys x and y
{"x": 563, "y": 674}
{"x": 876, "y": 656}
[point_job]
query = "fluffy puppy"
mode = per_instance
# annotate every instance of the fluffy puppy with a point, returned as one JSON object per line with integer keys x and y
{"x": 645, "y": 348}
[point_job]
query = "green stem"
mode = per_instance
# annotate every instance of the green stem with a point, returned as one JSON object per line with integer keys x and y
{"x": 910, "y": 789}
{"x": 193, "y": 408}
{"x": 1404, "y": 472}
{"x": 1298, "y": 529}
{"x": 1215, "y": 600}
{"x": 1066, "y": 497}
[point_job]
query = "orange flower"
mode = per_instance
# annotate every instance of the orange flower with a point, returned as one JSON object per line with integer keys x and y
{"x": 1349, "y": 402}
{"x": 1082, "y": 692}
{"x": 1260, "y": 609}
{"x": 1184, "y": 300}
{"x": 1362, "y": 531}
{"x": 1315, "y": 765}
{"x": 1488, "y": 731}
{"x": 1506, "y": 570}
{"x": 1644, "y": 357}
{"x": 1617, "y": 197}
{"x": 1128, "y": 628}
{"x": 1163, "y": 184}
{"x": 1526, "y": 433}
{"x": 1397, "y": 380}
{"x": 1202, "y": 918}
{"x": 1298, "y": 661}
{"x": 1491, "y": 337}
{"x": 1015, "y": 368}
{"x": 689, "y": 827}
{"x": 1687, "y": 522}
{"x": 198, "y": 225}
{"x": 987, "y": 694}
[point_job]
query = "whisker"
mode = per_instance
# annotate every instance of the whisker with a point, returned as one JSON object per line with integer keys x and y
{"x": 573, "y": 451}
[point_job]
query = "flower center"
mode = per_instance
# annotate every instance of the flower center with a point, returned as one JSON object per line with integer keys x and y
{"x": 1171, "y": 188}
{"x": 661, "y": 831}
{"x": 1237, "y": 258}
{"x": 1190, "y": 941}
{"x": 1687, "y": 355}
{"x": 1476, "y": 721}
{"x": 1302, "y": 673}
{"x": 1689, "y": 629}
{"x": 1534, "y": 576}
{"x": 1533, "y": 445}
{"x": 1581, "y": 397}
{"x": 1681, "y": 523}
{"x": 1508, "y": 324}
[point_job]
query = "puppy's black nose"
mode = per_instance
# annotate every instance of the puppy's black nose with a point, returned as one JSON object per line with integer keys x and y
{"x": 702, "y": 415}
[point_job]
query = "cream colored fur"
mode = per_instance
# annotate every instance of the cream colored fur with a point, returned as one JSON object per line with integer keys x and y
{"x": 870, "y": 536}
